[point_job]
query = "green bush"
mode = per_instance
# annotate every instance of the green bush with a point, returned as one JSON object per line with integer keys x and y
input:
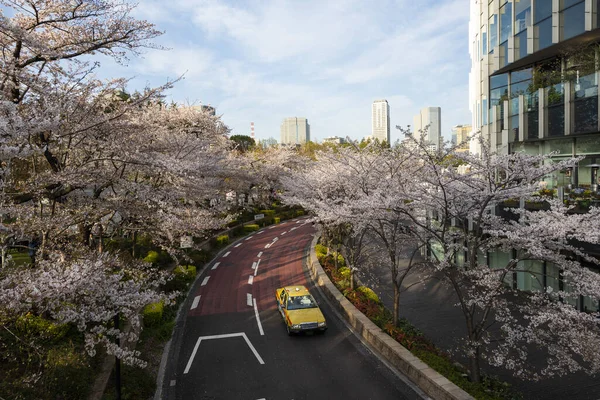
{"x": 222, "y": 240}
{"x": 186, "y": 272}
{"x": 40, "y": 328}
{"x": 153, "y": 313}
{"x": 320, "y": 250}
{"x": 151, "y": 257}
{"x": 369, "y": 293}
{"x": 276, "y": 220}
{"x": 341, "y": 261}
{"x": 251, "y": 228}
{"x": 299, "y": 213}
{"x": 268, "y": 213}
{"x": 158, "y": 258}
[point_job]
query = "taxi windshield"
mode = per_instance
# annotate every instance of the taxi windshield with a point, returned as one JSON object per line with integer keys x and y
{"x": 300, "y": 302}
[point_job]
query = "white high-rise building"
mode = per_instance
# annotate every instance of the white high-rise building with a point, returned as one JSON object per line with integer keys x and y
{"x": 380, "y": 121}
{"x": 430, "y": 118}
{"x": 295, "y": 130}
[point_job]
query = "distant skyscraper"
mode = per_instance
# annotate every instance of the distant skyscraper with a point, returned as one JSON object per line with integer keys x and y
{"x": 430, "y": 117}
{"x": 380, "y": 121}
{"x": 461, "y": 134}
{"x": 295, "y": 130}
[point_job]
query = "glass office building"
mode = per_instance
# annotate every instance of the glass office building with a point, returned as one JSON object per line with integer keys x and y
{"x": 534, "y": 89}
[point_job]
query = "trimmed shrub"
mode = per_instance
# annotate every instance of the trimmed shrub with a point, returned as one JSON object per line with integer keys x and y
{"x": 251, "y": 228}
{"x": 151, "y": 257}
{"x": 369, "y": 293}
{"x": 268, "y": 213}
{"x": 153, "y": 313}
{"x": 222, "y": 240}
{"x": 320, "y": 250}
{"x": 276, "y": 220}
{"x": 299, "y": 213}
{"x": 341, "y": 260}
{"x": 186, "y": 272}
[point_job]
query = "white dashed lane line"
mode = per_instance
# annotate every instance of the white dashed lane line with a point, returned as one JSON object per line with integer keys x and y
{"x": 226, "y": 254}
{"x": 195, "y": 303}
{"x": 216, "y": 265}
{"x": 205, "y": 281}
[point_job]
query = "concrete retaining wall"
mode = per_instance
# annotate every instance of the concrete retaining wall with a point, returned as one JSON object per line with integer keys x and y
{"x": 430, "y": 381}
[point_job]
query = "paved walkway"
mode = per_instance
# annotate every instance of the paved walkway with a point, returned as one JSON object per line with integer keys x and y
{"x": 430, "y": 307}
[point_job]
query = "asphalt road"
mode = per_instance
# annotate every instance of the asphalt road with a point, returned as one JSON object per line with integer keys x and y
{"x": 231, "y": 343}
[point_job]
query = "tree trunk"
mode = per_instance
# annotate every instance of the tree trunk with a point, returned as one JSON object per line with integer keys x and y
{"x": 396, "y": 304}
{"x": 474, "y": 367}
{"x": 134, "y": 240}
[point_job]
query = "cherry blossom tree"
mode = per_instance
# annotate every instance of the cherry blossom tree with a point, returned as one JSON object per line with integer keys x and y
{"x": 457, "y": 208}
{"x": 80, "y": 156}
{"x": 359, "y": 189}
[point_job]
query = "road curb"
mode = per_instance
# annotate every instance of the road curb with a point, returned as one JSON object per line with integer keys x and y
{"x": 426, "y": 378}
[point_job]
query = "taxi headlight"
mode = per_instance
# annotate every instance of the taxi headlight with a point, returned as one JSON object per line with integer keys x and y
{"x": 297, "y": 326}
{"x": 321, "y": 324}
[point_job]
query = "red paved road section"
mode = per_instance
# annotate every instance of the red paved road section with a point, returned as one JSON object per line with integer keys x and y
{"x": 280, "y": 265}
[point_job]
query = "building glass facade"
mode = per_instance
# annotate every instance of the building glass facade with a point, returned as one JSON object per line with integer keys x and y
{"x": 534, "y": 89}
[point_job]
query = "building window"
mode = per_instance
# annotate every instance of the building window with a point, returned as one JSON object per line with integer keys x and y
{"x": 520, "y": 84}
{"x": 499, "y": 93}
{"x": 543, "y": 33}
{"x": 520, "y": 45}
{"x": 484, "y": 40}
{"x": 555, "y": 97}
{"x": 503, "y": 54}
{"x": 572, "y": 19}
{"x": 543, "y": 10}
{"x": 522, "y": 15}
{"x": 493, "y": 32}
{"x": 505, "y": 22}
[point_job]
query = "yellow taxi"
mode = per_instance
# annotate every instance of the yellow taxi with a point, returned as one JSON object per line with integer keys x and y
{"x": 299, "y": 310}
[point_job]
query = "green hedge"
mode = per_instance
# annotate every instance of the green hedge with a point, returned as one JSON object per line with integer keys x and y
{"x": 368, "y": 292}
{"x": 251, "y": 228}
{"x": 187, "y": 272}
{"x": 222, "y": 240}
{"x": 153, "y": 313}
{"x": 276, "y": 220}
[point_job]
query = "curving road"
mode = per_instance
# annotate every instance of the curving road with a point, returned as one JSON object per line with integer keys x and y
{"x": 230, "y": 341}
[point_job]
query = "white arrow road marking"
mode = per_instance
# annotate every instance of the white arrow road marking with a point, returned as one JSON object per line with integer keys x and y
{"x": 260, "y": 329}
{"x": 249, "y": 299}
{"x": 228, "y": 335}
{"x": 226, "y": 254}
{"x": 216, "y": 265}
{"x": 205, "y": 281}
{"x": 195, "y": 303}
{"x": 250, "y": 279}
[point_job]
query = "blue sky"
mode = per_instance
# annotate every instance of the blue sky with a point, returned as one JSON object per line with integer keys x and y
{"x": 326, "y": 60}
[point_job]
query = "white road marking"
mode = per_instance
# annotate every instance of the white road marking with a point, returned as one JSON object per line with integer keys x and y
{"x": 226, "y": 254}
{"x": 250, "y": 279}
{"x": 205, "y": 281}
{"x": 273, "y": 227}
{"x": 253, "y": 264}
{"x": 260, "y": 329}
{"x": 268, "y": 245}
{"x": 249, "y": 299}
{"x": 237, "y": 245}
{"x": 173, "y": 382}
{"x": 249, "y": 237}
{"x": 258, "y": 233}
{"x": 195, "y": 303}
{"x": 259, "y": 254}
{"x": 216, "y": 265}
{"x": 294, "y": 228}
{"x": 283, "y": 233}
{"x": 225, "y": 336}
{"x": 256, "y": 269}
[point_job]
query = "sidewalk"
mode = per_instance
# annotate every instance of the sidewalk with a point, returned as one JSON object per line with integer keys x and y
{"x": 430, "y": 308}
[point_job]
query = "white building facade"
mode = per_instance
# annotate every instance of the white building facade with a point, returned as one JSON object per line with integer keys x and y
{"x": 295, "y": 130}
{"x": 427, "y": 124}
{"x": 380, "y": 121}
